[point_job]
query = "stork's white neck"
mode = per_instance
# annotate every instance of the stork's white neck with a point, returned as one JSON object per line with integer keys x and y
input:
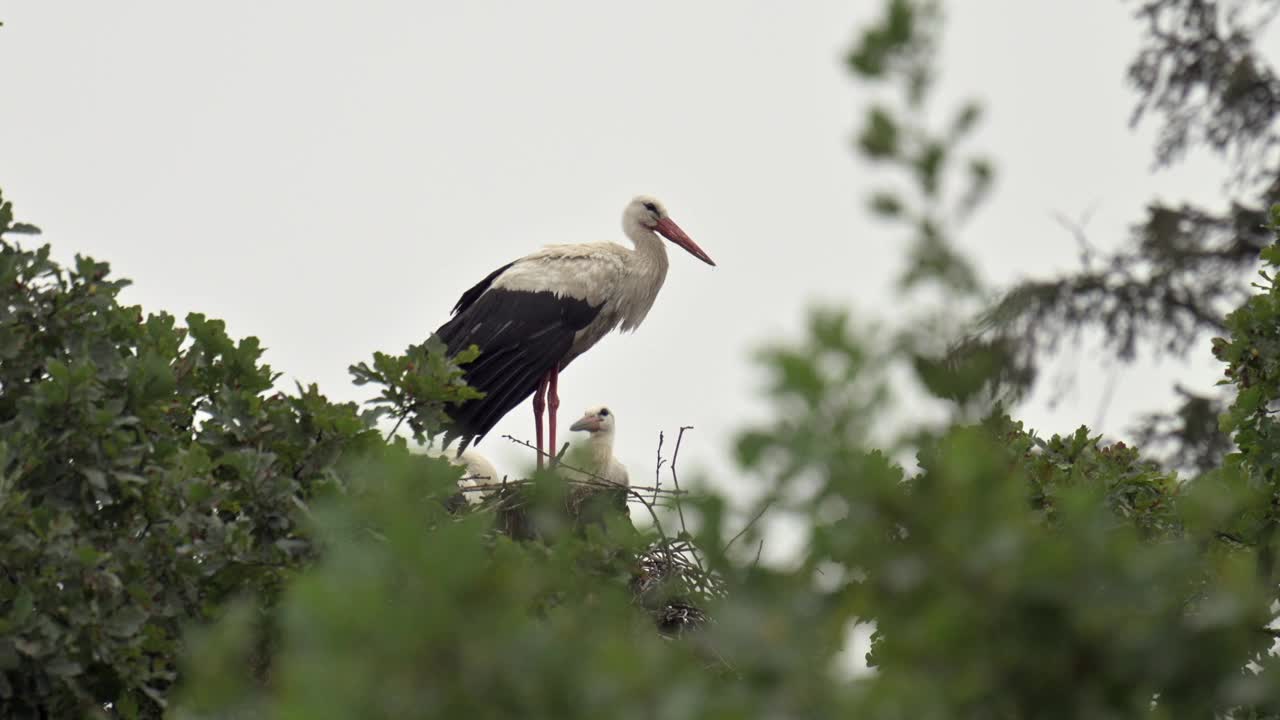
{"x": 648, "y": 272}
{"x": 600, "y": 450}
{"x": 649, "y": 246}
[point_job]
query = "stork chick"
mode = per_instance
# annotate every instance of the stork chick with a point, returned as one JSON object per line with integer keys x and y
{"x": 600, "y": 424}
{"x": 477, "y": 470}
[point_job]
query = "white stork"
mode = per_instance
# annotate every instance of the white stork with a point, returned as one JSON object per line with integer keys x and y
{"x": 600, "y": 423}
{"x": 532, "y": 317}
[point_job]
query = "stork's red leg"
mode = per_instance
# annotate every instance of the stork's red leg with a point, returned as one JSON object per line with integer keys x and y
{"x": 553, "y": 403}
{"x": 539, "y": 402}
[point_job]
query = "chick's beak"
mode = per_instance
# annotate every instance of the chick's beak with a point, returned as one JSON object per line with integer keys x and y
{"x": 589, "y": 423}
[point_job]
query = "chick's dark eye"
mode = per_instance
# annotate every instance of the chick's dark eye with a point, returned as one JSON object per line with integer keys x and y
{"x": 604, "y": 412}
{"x": 651, "y": 207}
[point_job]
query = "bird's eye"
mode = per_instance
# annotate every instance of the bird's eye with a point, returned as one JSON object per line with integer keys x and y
{"x": 604, "y": 412}
{"x": 651, "y": 207}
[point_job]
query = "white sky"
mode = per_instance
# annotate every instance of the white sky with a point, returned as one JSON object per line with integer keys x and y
{"x": 330, "y": 177}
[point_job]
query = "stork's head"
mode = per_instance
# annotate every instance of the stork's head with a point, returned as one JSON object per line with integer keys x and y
{"x": 596, "y": 420}
{"x": 646, "y": 215}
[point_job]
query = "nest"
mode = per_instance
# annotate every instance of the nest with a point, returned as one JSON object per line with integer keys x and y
{"x": 671, "y": 584}
{"x": 668, "y": 580}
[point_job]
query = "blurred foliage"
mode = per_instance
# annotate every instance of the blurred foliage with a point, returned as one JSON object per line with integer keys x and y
{"x": 1201, "y": 69}
{"x": 1202, "y": 73}
{"x": 933, "y": 187}
{"x": 178, "y": 538}
{"x": 900, "y": 50}
{"x": 420, "y": 613}
{"x": 1189, "y": 437}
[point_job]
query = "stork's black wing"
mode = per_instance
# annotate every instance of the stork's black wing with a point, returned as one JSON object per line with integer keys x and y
{"x": 522, "y": 335}
{"x": 469, "y": 297}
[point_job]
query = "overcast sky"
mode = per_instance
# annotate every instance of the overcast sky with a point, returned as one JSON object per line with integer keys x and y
{"x": 330, "y": 177}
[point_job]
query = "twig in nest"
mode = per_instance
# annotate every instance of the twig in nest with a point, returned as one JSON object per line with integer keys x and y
{"x": 675, "y": 480}
{"x": 675, "y": 455}
{"x": 667, "y": 559}
{"x": 543, "y": 453}
{"x": 657, "y": 467}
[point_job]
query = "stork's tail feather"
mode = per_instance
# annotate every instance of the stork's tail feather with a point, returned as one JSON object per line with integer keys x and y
{"x": 506, "y": 382}
{"x": 465, "y": 439}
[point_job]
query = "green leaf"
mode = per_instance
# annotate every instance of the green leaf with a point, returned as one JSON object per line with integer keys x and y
{"x": 126, "y": 622}
{"x": 97, "y": 479}
{"x": 1271, "y": 255}
{"x": 87, "y": 555}
{"x": 928, "y": 166}
{"x": 966, "y": 119}
{"x": 198, "y": 492}
{"x": 64, "y": 668}
{"x": 886, "y": 204}
{"x": 23, "y": 606}
{"x": 9, "y": 659}
{"x": 882, "y": 41}
{"x": 879, "y": 138}
{"x": 127, "y": 707}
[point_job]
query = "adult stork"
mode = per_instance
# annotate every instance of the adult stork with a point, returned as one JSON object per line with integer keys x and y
{"x": 532, "y": 317}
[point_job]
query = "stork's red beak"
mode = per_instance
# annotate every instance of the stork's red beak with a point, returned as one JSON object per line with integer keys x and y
{"x": 671, "y": 231}
{"x": 590, "y": 423}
